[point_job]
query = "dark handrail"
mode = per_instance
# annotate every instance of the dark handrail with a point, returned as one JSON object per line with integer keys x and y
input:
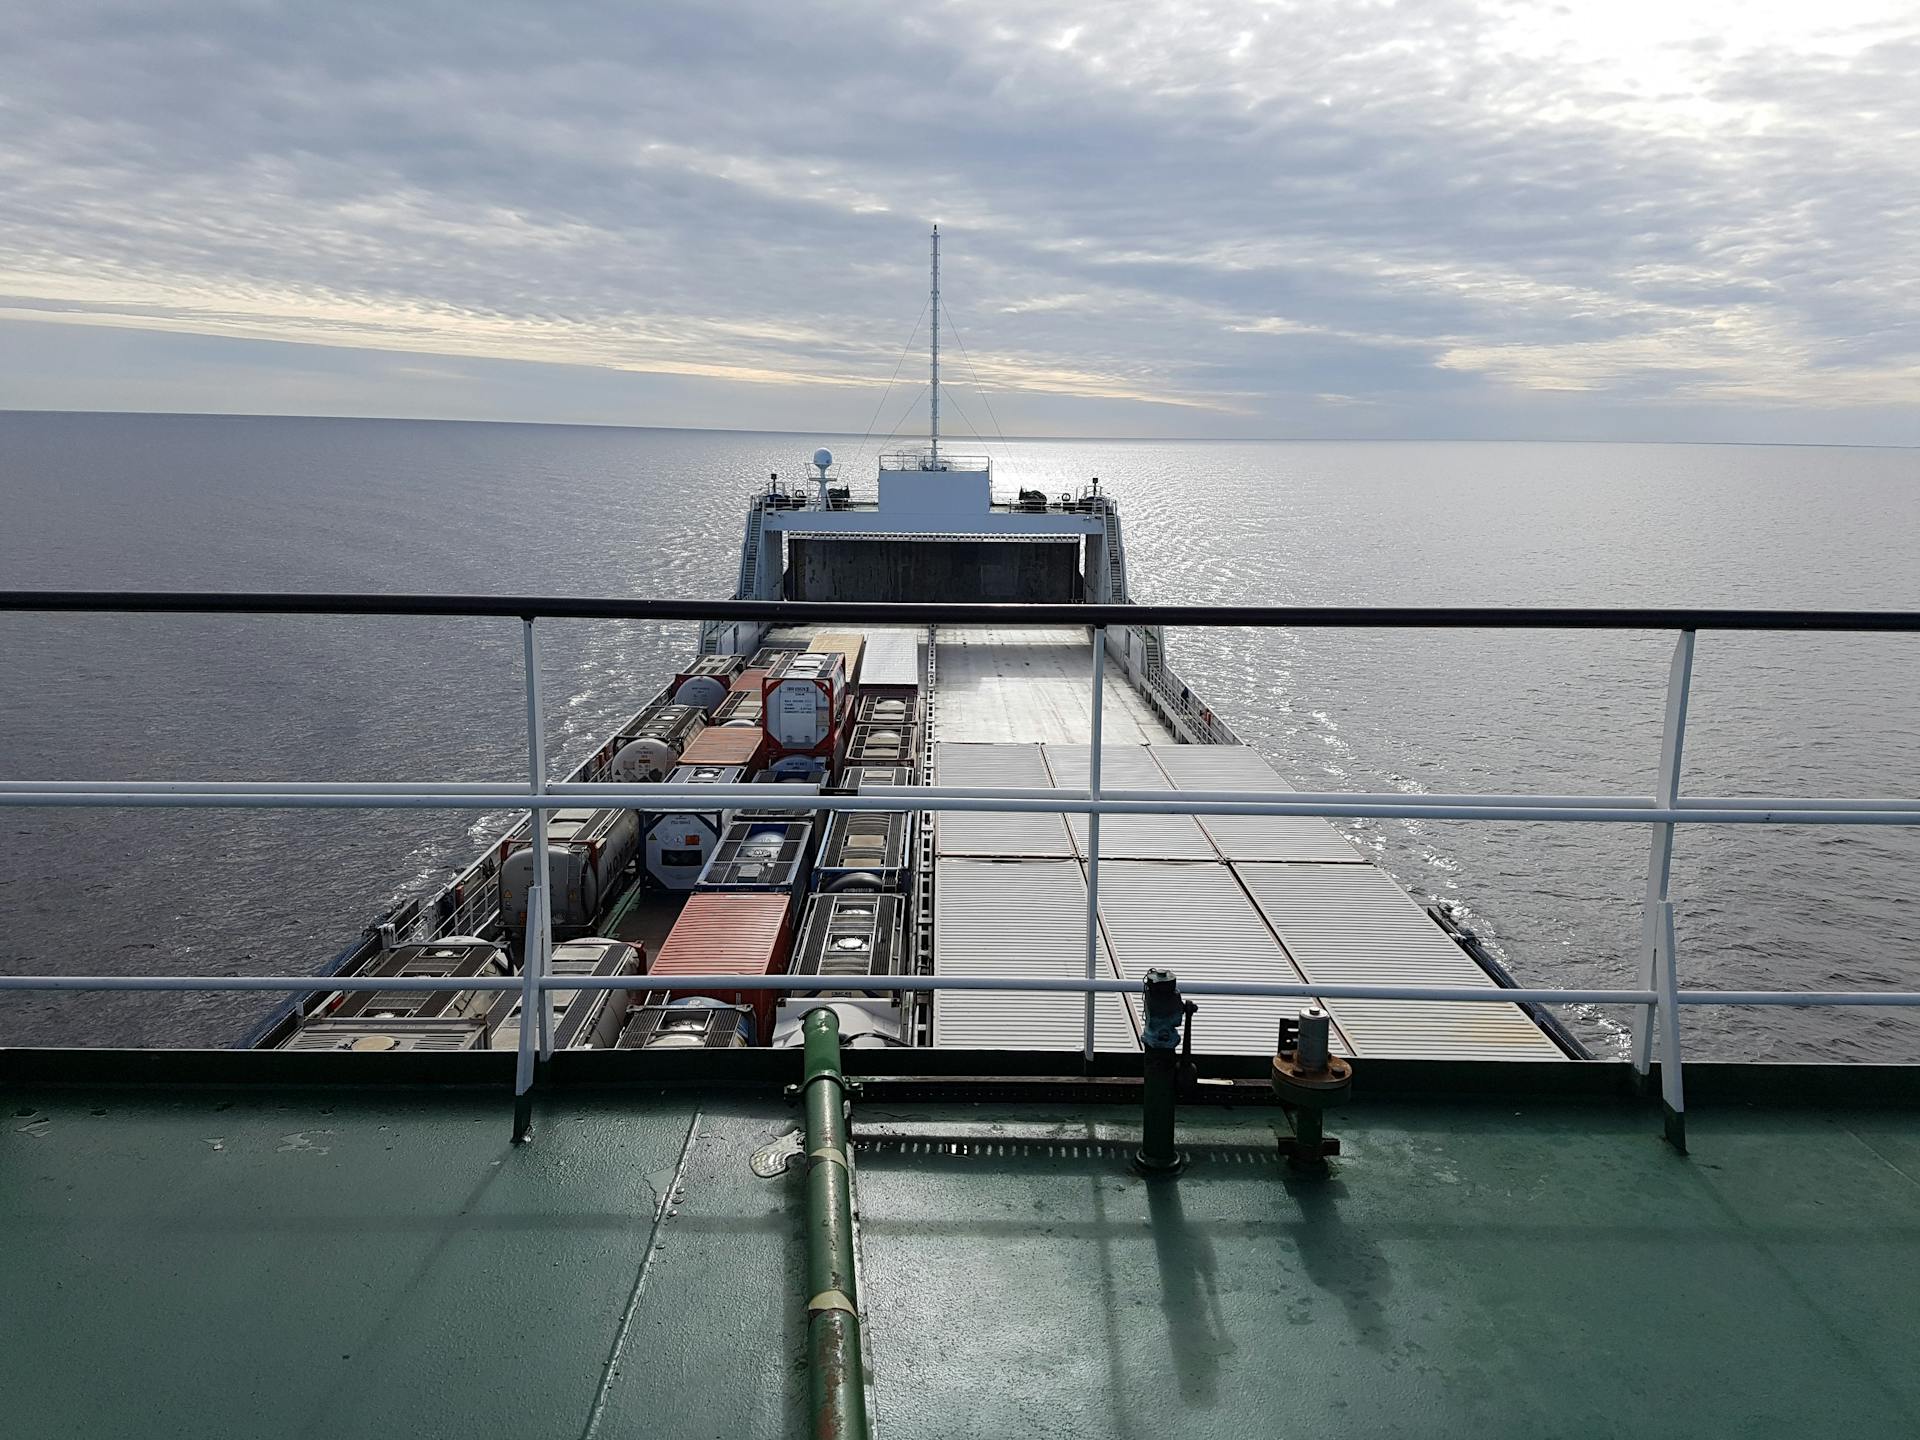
{"x": 1261, "y": 617}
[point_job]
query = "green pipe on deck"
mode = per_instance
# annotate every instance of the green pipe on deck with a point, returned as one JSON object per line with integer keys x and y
{"x": 836, "y": 1390}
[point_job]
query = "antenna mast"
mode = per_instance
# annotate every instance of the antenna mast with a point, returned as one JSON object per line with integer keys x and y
{"x": 934, "y": 305}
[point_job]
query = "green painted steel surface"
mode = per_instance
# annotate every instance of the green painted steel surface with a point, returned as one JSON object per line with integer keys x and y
{"x": 326, "y": 1263}
{"x": 306, "y": 1263}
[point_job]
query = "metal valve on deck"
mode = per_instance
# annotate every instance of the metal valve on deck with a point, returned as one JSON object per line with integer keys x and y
{"x": 1167, "y": 1016}
{"x": 1308, "y": 1077}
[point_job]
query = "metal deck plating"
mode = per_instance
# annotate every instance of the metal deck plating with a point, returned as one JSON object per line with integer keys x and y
{"x": 378, "y": 1261}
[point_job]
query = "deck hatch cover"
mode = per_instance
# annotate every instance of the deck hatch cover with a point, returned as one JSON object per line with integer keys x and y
{"x": 1010, "y": 686}
{"x": 982, "y": 832}
{"x": 1024, "y": 917}
{"x": 1250, "y": 837}
{"x": 1354, "y": 924}
{"x": 1197, "y": 922}
{"x": 1128, "y": 837}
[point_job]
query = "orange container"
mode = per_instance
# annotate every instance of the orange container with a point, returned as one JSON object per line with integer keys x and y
{"x": 749, "y": 680}
{"x": 741, "y": 745}
{"x": 737, "y": 933}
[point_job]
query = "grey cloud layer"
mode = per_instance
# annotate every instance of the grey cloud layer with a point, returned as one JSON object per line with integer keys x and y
{"x": 1231, "y": 216}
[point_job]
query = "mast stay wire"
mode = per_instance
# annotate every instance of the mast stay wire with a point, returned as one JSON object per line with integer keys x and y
{"x": 912, "y": 405}
{"x": 973, "y": 370}
{"x": 912, "y": 335}
{"x": 965, "y": 418}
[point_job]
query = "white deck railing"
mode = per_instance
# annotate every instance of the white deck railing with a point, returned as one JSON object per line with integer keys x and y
{"x": 1656, "y": 998}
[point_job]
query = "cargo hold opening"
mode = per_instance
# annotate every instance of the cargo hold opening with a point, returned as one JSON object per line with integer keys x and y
{"x": 893, "y": 570}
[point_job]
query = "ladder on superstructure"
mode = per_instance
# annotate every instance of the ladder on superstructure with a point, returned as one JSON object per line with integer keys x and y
{"x": 748, "y": 586}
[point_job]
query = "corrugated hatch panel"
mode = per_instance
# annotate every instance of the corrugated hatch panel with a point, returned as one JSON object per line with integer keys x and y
{"x": 1197, "y": 922}
{"x": 1128, "y": 837}
{"x": 1353, "y": 924}
{"x": 982, "y": 832}
{"x": 1024, "y": 917}
{"x": 1249, "y": 837}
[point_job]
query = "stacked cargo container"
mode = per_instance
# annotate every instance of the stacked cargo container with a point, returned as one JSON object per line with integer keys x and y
{"x": 362, "y": 1020}
{"x": 876, "y": 844}
{"x": 691, "y": 1024}
{"x": 706, "y": 682}
{"x": 804, "y": 711}
{"x": 849, "y": 937}
{"x": 739, "y": 747}
{"x": 586, "y": 865}
{"x": 761, "y": 854}
{"x": 679, "y": 842}
{"x": 581, "y": 1019}
{"x": 883, "y": 745}
{"x": 733, "y": 933}
{"x": 653, "y": 747}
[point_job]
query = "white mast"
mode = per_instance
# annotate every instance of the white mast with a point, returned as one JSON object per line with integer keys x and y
{"x": 934, "y": 304}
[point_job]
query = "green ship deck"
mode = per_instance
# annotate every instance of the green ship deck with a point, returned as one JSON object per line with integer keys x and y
{"x": 308, "y": 1260}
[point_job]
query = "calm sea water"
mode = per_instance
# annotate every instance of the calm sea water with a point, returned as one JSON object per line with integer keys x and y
{"x": 214, "y": 503}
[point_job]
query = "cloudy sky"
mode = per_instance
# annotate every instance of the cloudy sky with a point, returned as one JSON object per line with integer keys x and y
{"x": 1631, "y": 219}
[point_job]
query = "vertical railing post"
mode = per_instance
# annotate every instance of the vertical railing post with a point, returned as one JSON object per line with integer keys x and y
{"x": 530, "y": 998}
{"x": 1657, "y": 970}
{"x": 1672, "y": 1092}
{"x": 1093, "y": 829}
{"x": 535, "y": 1024}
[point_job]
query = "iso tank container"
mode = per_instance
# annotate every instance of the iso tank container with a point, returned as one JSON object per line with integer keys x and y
{"x": 861, "y": 779}
{"x": 848, "y": 937}
{"x": 805, "y": 709}
{"x": 453, "y": 958}
{"x": 679, "y": 843}
{"x": 372, "y": 1036}
{"x": 761, "y": 855}
{"x": 779, "y": 786}
{"x": 589, "y": 852}
{"x": 773, "y": 658}
{"x": 653, "y": 747}
{"x": 695, "y": 1024}
{"x": 889, "y": 711}
{"x": 883, "y": 745}
{"x": 741, "y": 706}
{"x": 732, "y": 933}
{"x": 705, "y": 683}
{"x": 581, "y": 1019}
{"x": 869, "y": 843}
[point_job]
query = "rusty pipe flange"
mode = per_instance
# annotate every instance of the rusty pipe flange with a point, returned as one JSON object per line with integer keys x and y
{"x": 1316, "y": 1089}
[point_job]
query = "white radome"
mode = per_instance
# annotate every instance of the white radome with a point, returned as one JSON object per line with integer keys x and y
{"x": 823, "y": 458}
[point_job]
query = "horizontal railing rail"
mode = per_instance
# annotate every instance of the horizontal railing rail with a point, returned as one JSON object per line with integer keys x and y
{"x": 1657, "y": 998}
{"x": 802, "y": 612}
{"x": 1615, "y": 810}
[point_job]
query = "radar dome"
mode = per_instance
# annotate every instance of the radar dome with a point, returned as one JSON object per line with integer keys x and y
{"x": 823, "y": 458}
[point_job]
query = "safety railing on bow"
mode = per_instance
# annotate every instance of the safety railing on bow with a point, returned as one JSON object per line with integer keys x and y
{"x": 1656, "y": 997}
